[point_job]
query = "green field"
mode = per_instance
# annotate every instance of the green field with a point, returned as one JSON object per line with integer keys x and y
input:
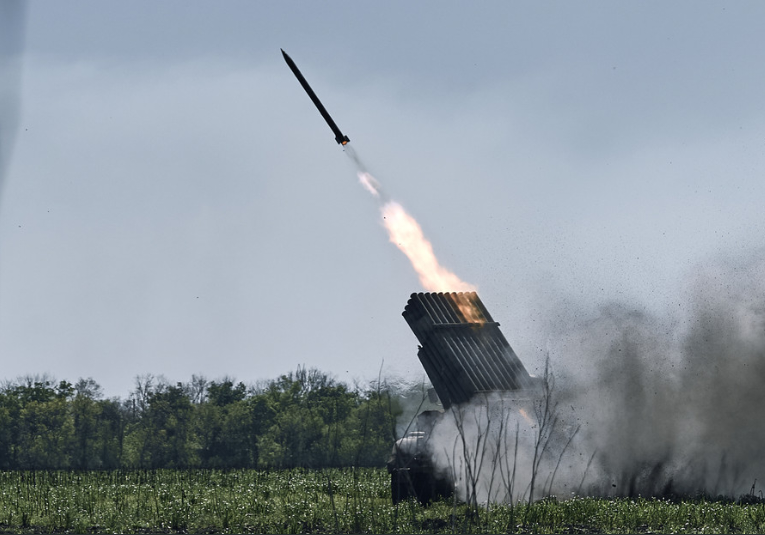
{"x": 319, "y": 501}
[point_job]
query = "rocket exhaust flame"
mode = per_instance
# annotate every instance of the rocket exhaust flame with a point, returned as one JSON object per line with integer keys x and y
{"x": 406, "y": 234}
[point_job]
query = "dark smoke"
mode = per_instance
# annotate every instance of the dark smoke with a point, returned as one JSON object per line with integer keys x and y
{"x": 675, "y": 404}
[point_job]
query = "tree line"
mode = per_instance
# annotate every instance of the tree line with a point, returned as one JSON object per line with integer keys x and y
{"x": 304, "y": 418}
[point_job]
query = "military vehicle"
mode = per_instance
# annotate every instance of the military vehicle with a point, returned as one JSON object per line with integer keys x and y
{"x": 464, "y": 355}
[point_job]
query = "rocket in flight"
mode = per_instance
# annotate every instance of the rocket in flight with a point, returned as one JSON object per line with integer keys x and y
{"x": 339, "y": 136}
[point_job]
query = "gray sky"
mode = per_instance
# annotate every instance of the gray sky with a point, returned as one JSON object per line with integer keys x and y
{"x": 176, "y": 205}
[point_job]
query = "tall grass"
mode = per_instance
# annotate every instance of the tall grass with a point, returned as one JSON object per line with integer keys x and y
{"x": 319, "y": 501}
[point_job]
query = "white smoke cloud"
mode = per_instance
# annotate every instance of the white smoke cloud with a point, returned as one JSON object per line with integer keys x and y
{"x": 646, "y": 404}
{"x": 370, "y": 183}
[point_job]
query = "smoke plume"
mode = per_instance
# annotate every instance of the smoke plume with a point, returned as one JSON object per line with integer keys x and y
{"x": 642, "y": 404}
{"x": 676, "y": 404}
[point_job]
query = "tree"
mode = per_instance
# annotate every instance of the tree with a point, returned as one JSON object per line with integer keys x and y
{"x": 294, "y": 437}
{"x": 10, "y": 409}
{"x": 168, "y": 420}
{"x": 46, "y": 431}
{"x": 225, "y": 392}
{"x": 86, "y": 414}
{"x": 88, "y": 433}
{"x": 303, "y": 418}
{"x": 111, "y": 433}
{"x": 369, "y": 431}
{"x": 160, "y": 432}
{"x": 228, "y": 434}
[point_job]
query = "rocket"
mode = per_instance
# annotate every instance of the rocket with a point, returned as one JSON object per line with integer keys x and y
{"x": 339, "y": 136}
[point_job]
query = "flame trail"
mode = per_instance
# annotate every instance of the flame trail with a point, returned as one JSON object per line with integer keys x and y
{"x": 406, "y": 234}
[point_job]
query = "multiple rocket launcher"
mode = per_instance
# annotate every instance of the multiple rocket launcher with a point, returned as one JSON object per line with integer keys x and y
{"x": 341, "y": 138}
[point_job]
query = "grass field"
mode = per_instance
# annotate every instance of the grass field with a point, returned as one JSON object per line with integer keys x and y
{"x": 319, "y": 501}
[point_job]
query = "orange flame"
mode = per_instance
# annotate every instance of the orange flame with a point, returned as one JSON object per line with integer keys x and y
{"x": 406, "y": 234}
{"x": 470, "y": 311}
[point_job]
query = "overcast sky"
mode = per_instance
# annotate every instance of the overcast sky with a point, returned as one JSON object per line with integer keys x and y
{"x": 174, "y": 204}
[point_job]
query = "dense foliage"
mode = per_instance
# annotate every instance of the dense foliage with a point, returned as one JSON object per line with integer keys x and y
{"x": 302, "y": 419}
{"x": 349, "y": 500}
